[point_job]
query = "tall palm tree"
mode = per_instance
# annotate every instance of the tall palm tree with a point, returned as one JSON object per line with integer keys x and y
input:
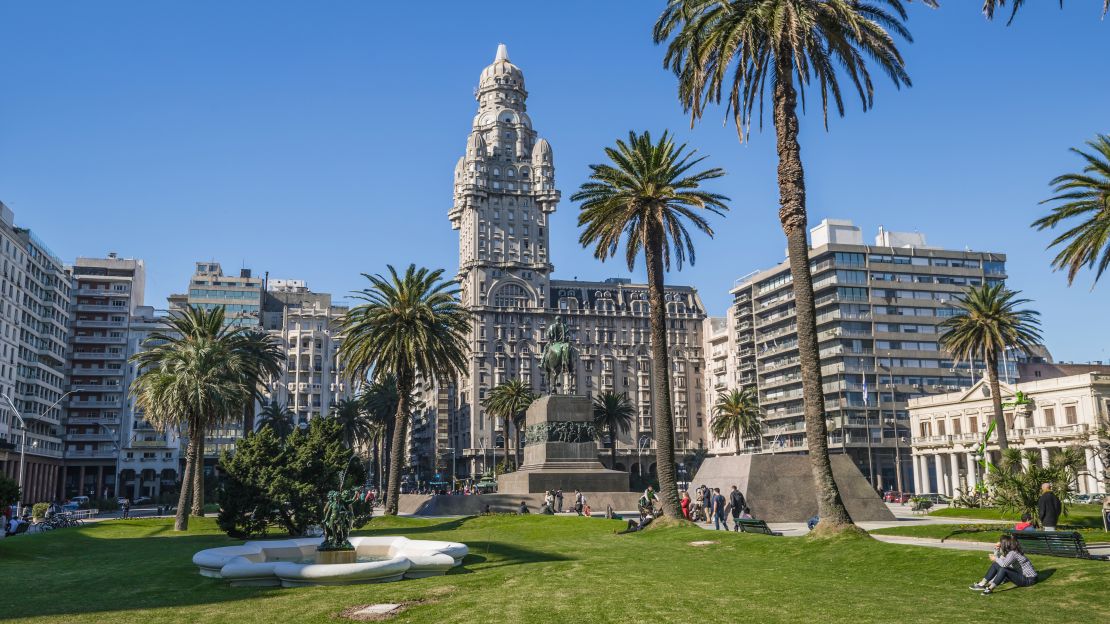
{"x": 1085, "y": 196}
{"x": 195, "y": 374}
{"x": 356, "y": 428}
{"x": 988, "y": 323}
{"x": 613, "y": 414}
{"x": 738, "y": 47}
{"x": 379, "y": 400}
{"x": 277, "y": 417}
{"x": 646, "y": 195}
{"x": 507, "y": 401}
{"x": 413, "y": 327}
{"x": 249, "y": 359}
{"x": 736, "y": 415}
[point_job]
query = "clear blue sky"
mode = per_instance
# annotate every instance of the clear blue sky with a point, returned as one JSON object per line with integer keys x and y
{"x": 317, "y": 140}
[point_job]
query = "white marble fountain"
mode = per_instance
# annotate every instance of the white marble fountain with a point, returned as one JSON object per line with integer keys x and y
{"x": 294, "y": 562}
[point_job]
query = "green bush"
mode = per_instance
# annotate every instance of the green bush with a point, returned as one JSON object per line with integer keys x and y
{"x": 106, "y": 504}
{"x": 1016, "y": 484}
{"x": 9, "y": 492}
{"x": 39, "y": 510}
{"x": 270, "y": 481}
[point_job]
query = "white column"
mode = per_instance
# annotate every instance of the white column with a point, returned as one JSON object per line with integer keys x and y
{"x": 938, "y": 463}
{"x": 1092, "y": 469}
{"x": 954, "y": 478}
{"x": 1044, "y": 457}
{"x": 971, "y": 468}
{"x": 917, "y": 463}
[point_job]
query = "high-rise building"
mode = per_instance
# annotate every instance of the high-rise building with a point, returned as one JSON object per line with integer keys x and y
{"x": 241, "y": 298}
{"x": 34, "y": 329}
{"x": 307, "y": 324}
{"x": 878, "y": 307}
{"x": 504, "y": 194}
{"x": 105, "y": 295}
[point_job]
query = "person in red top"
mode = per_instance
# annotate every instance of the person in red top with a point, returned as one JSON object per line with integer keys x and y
{"x": 1026, "y": 523}
{"x": 685, "y": 502}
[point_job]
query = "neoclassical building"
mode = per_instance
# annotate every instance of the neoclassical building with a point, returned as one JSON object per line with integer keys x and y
{"x": 1065, "y": 411}
{"x": 504, "y": 195}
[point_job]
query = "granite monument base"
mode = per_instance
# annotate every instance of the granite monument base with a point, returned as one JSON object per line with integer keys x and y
{"x": 780, "y": 488}
{"x": 560, "y": 451}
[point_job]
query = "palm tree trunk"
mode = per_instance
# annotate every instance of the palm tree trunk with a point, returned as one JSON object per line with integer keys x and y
{"x": 792, "y": 215}
{"x": 996, "y": 400}
{"x": 737, "y": 433}
{"x": 397, "y": 446}
{"x": 198, "y": 474}
{"x": 613, "y": 449}
{"x": 508, "y": 445}
{"x": 181, "y": 519}
{"x": 660, "y": 373}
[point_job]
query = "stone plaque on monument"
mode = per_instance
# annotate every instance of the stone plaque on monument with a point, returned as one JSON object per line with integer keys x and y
{"x": 560, "y": 451}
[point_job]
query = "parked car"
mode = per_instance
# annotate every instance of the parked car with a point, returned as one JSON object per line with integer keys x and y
{"x": 80, "y": 501}
{"x": 142, "y": 500}
{"x": 936, "y": 499}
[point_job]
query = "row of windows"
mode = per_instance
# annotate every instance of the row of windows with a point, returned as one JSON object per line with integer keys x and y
{"x": 225, "y": 294}
{"x": 908, "y": 345}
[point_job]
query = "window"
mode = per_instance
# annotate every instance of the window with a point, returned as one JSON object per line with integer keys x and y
{"x": 1070, "y": 415}
{"x": 973, "y": 424}
{"x": 1049, "y": 417}
{"x": 511, "y": 296}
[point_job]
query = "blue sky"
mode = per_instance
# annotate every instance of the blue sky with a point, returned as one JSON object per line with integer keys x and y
{"x": 318, "y": 140}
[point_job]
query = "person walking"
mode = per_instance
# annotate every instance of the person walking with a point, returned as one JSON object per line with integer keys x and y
{"x": 1048, "y": 508}
{"x": 685, "y": 504}
{"x": 126, "y": 508}
{"x": 579, "y": 502}
{"x": 736, "y": 504}
{"x": 718, "y": 507}
{"x": 707, "y": 503}
{"x": 549, "y": 499}
{"x": 559, "y": 500}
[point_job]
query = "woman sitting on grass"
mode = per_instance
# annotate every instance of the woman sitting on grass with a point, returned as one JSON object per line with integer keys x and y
{"x": 1010, "y": 564}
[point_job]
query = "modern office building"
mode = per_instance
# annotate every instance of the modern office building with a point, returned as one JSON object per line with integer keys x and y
{"x": 1066, "y": 409}
{"x": 307, "y": 324}
{"x": 241, "y": 298}
{"x": 105, "y": 295}
{"x": 504, "y": 195}
{"x": 34, "y": 330}
{"x": 878, "y": 307}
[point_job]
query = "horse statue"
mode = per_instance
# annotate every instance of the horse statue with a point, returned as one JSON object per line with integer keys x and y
{"x": 559, "y": 359}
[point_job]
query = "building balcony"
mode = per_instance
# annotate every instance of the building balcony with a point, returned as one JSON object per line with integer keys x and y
{"x": 100, "y": 339}
{"x": 98, "y": 355}
{"x": 98, "y": 323}
{"x": 150, "y": 444}
{"x": 102, "y": 292}
{"x": 91, "y": 387}
{"x": 96, "y": 372}
{"x": 1058, "y": 431}
{"x": 90, "y": 437}
{"x": 95, "y": 404}
{"x": 93, "y": 420}
{"x": 100, "y": 453}
{"x": 100, "y": 307}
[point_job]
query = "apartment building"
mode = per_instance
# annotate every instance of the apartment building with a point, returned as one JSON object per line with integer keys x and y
{"x": 307, "y": 324}
{"x": 878, "y": 307}
{"x": 105, "y": 294}
{"x": 34, "y": 329}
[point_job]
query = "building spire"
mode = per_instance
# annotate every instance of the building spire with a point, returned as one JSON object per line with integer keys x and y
{"x": 502, "y": 53}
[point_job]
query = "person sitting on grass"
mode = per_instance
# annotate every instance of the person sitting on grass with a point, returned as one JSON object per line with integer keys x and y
{"x": 1010, "y": 564}
{"x": 524, "y": 508}
{"x": 633, "y": 525}
{"x": 1026, "y": 523}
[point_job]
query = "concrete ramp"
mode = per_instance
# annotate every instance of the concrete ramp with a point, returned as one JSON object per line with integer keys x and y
{"x": 779, "y": 488}
{"x": 453, "y": 505}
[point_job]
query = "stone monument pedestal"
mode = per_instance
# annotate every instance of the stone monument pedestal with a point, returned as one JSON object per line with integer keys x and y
{"x": 560, "y": 451}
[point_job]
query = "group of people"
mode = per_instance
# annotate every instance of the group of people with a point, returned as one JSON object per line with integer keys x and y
{"x": 709, "y": 505}
{"x": 553, "y": 503}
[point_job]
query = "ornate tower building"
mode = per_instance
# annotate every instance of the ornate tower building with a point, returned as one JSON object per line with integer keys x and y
{"x": 504, "y": 194}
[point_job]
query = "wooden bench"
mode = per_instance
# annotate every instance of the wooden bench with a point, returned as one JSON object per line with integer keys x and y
{"x": 1054, "y": 543}
{"x": 748, "y": 525}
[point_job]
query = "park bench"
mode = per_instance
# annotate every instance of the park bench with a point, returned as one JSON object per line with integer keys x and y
{"x": 755, "y": 526}
{"x": 1054, "y": 543}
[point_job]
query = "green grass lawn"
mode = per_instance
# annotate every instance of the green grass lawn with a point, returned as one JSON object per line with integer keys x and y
{"x": 1082, "y": 518}
{"x": 542, "y": 569}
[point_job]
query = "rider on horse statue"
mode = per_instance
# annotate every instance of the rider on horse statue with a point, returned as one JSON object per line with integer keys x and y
{"x": 559, "y": 359}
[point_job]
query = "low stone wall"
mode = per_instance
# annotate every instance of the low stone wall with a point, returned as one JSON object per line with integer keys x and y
{"x": 451, "y": 505}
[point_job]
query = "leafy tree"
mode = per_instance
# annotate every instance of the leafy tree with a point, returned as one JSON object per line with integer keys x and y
{"x": 739, "y": 47}
{"x": 9, "y": 492}
{"x": 989, "y": 7}
{"x": 988, "y": 323}
{"x": 508, "y": 401}
{"x": 1084, "y": 196}
{"x": 197, "y": 374}
{"x": 277, "y": 417}
{"x": 271, "y": 483}
{"x": 1016, "y": 485}
{"x": 645, "y": 196}
{"x": 736, "y": 415}
{"x": 413, "y": 327}
{"x": 615, "y": 415}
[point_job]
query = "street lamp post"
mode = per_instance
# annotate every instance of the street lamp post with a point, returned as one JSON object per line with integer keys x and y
{"x": 23, "y": 440}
